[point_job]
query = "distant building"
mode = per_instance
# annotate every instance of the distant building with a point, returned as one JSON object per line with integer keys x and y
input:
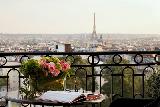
{"x": 157, "y": 49}
{"x": 63, "y": 48}
{"x": 99, "y": 49}
{"x": 68, "y": 48}
{"x": 94, "y": 40}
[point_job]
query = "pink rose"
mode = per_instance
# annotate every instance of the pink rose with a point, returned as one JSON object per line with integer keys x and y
{"x": 65, "y": 66}
{"x": 43, "y": 64}
{"x": 51, "y": 67}
{"x": 55, "y": 72}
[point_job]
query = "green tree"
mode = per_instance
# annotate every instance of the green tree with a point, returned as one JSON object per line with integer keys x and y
{"x": 80, "y": 79}
{"x": 153, "y": 85}
{"x": 117, "y": 80}
{"x": 3, "y": 82}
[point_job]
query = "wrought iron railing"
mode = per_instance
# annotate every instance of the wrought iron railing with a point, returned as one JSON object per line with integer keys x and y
{"x": 115, "y": 74}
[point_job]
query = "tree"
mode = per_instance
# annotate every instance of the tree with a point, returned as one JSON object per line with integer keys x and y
{"x": 80, "y": 75}
{"x": 153, "y": 85}
{"x": 117, "y": 80}
{"x": 3, "y": 82}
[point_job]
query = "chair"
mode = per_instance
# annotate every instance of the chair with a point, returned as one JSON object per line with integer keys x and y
{"x": 130, "y": 102}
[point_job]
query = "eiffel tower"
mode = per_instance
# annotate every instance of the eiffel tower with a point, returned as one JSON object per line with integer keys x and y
{"x": 94, "y": 34}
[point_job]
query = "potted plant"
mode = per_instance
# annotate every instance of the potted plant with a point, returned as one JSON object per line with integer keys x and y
{"x": 46, "y": 73}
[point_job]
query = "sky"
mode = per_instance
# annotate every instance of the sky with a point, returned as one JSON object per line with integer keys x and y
{"x": 76, "y": 16}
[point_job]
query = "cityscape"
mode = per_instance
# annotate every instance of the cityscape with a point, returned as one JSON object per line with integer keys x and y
{"x": 14, "y": 43}
{"x": 93, "y": 42}
{"x": 103, "y": 50}
{"x": 78, "y": 42}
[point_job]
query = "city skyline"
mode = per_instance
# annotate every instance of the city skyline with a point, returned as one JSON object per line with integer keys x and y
{"x": 68, "y": 17}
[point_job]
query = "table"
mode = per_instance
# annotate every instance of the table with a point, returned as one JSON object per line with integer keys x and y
{"x": 49, "y": 103}
{"x": 40, "y": 102}
{"x": 26, "y": 102}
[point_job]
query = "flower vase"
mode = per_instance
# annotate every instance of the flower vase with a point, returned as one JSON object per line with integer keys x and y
{"x": 64, "y": 83}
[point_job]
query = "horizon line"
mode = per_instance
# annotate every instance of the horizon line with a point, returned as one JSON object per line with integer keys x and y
{"x": 83, "y": 33}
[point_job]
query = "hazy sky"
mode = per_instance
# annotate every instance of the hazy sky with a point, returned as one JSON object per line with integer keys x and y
{"x": 76, "y": 16}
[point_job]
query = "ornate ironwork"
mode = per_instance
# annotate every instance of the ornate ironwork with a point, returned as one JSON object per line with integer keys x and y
{"x": 98, "y": 67}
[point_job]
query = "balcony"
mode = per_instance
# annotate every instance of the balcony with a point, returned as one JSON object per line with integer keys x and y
{"x": 115, "y": 74}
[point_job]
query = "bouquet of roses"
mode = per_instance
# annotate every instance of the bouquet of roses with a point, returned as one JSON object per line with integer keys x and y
{"x": 54, "y": 66}
{"x": 46, "y": 73}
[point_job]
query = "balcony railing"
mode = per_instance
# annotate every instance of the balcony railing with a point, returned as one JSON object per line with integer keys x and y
{"x": 115, "y": 74}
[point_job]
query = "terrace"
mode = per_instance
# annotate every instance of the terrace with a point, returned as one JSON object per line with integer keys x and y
{"x": 115, "y": 74}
